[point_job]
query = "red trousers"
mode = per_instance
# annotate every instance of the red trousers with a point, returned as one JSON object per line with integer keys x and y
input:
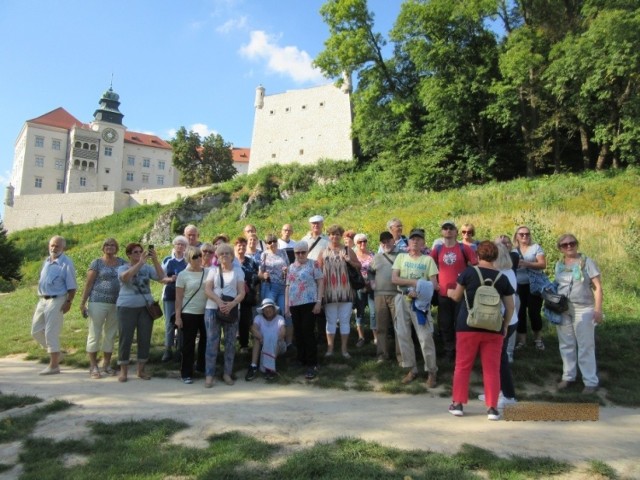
{"x": 467, "y": 346}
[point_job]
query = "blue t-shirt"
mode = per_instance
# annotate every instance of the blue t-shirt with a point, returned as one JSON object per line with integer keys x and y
{"x": 137, "y": 291}
{"x": 172, "y": 266}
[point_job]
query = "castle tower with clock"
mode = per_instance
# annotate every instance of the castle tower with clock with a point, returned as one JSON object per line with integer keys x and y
{"x": 57, "y": 153}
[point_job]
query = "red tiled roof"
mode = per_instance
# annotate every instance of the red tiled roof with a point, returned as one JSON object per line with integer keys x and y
{"x": 57, "y": 118}
{"x": 241, "y": 155}
{"x": 147, "y": 140}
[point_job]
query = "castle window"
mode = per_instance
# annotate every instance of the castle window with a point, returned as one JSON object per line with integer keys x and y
{"x": 287, "y": 110}
{"x": 146, "y": 162}
{"x": 39, "y": 161}
{"x": 38, "y": 183}
{"x": 129, "y": 176}
{"x": 83, "y": 181}
{"x": 273, "y": 155}
{"x": 84, "y": 165}
{"x": 105, "y": 187}
{"x": 78, "y": 145}
{"x": 40, "y": 142}
{"x": 85, "y": 146}
{"x": 59, "y": 164}
{"x": 107, "y": 170}
{"x": 108, "y": 151}
{"x": 145, "y": 178}
{"x": 131, "y": 160}
{"x": 91, "y": 165}
{"x": 93, "y": 148}
{"x": 304, "y": 107}
{"x": 302, "y": 151}
{"x": 160, "y": 179}
{"x": 55, "y": 144}
{"x": 272, "y": 112}
{"x": 59, "y": 185}
{"x": 160, "y": 165}
{"x": 322, "y": 104}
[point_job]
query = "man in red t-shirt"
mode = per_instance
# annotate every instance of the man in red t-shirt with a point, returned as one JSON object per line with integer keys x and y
{"x": 451, "y": 257}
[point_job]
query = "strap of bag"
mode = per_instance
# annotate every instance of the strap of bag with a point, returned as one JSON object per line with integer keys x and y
{"x": 388, "y": 259}
{"x": 194, "y": 293}
{"x": 143, "y": 295}
{"x": 466, "y": 299}
{"x": 314, "y": 244}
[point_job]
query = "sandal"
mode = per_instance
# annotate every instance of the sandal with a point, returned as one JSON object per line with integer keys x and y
{"x": 144, "y": 376}
{"x": 95, "y": 373}
{"x": 122, "y": 378}
{"x": 539, "y": 344}
{"x": 109, "y": 371}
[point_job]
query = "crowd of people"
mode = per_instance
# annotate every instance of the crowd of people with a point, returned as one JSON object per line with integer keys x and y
{"x": 276, "y": 296}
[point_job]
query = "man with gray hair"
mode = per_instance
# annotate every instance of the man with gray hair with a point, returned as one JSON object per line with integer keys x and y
{"x": 399, "y": 241}
{"x": 56, "y": 289}
{"x": 193, "y": 235}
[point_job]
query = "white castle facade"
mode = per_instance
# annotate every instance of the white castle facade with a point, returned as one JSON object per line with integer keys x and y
{"x": 302, "y": 126}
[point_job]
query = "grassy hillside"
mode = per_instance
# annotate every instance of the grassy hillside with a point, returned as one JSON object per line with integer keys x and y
{"x": 600, "y": 208}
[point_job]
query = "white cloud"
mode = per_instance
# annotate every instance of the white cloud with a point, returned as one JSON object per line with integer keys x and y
{"x": 232, "y": 25}
{"x": 289, "y": 60}
{"x": 200, "y": 128}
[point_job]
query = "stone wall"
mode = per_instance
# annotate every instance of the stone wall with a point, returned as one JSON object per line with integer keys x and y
{"x": 30, "y": 211}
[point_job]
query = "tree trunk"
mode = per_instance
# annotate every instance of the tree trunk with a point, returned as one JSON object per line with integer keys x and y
{"x": 602, "y": 156}
{"x": 584, "y": 144}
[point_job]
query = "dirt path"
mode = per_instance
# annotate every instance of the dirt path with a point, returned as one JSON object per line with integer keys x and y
{"x": 300, "y": 415}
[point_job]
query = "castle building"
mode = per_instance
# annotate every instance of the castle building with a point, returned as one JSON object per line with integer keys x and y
{"x": 57, "y": 153}
{"x": 302, "y": 126}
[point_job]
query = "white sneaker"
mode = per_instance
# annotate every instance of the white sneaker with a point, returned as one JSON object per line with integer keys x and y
{"x": 504, "y": 401}
{"x": 501, "y": 398}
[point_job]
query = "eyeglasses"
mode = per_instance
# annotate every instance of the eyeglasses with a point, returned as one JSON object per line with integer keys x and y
{"x": 468, "y": 232}
{"x": 136, "y": 251}
{"x": 287, "y": 230}
{"x": 208, "y": 252}
{"x": 270, "y": 242}
{"x": 303, "y": 252}
{"x": 448, "y": 227}
{"x": 196, "y": 256}
{"x": 524, "y": 234}
{"x": 568, "y": 245}
{"x": 362, "y": 241}
{"x": 221, "y": 254}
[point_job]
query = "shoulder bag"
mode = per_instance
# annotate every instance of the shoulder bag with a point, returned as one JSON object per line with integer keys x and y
{"x": 153, "y": 307}
{"x": 232, "y": 316}
{"x": 356, "y": 280}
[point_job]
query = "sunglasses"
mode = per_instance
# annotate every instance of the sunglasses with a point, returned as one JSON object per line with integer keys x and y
{"x": 448, "y": 227}
{"x": 208, "y": 252}
{"x": 568, "y": 245}
{"x": 271, "y": 242}
{"x": 303, "y": 252}
{"x": 196, "y": 256}
{"x": 469, "y": 232}
{"x": 524, "y": 234}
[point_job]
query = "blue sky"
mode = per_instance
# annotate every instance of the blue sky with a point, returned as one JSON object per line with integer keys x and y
{"x": 194, "y": 63}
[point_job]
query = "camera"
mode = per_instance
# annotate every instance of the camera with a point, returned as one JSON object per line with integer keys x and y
{"x": 151, "y": 247}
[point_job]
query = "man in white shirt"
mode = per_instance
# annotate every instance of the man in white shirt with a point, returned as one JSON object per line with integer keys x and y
{"x": 286, "y": 243}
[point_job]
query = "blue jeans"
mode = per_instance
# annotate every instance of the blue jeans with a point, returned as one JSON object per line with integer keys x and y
{"x": 214, "y": 330}
{"x": 275, "y": 291}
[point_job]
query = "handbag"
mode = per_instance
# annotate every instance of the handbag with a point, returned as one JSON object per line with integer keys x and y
{"x": 155, "y": 312}
{"x": 554, "y": 301}
{"x": 232, "y": 316}
{"x": 153, "y": 307}
{"x": 356, "y": 280}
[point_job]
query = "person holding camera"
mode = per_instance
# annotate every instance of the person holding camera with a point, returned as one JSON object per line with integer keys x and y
{"x": 133, "y": 317}
{"x": 101, "y": 291}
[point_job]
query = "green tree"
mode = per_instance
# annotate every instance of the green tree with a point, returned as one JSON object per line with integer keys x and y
{"x": 202, "y": 162}
{"x": 10, "y": 261}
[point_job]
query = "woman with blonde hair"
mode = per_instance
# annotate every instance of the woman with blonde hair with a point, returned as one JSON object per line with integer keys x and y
{"x": 532, "y": 261}
{"x": 579, "y": 279}
{"x": 468, "y": 231}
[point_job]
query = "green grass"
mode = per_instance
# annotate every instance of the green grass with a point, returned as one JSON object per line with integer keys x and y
{"x": 143, "y": 450}
{"x": 17, "y": 427}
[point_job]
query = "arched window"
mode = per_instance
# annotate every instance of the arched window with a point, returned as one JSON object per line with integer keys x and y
{"x": 85, "y": 146}
{"x": 78, "y": 145}
{"x": 84, "y": 165}
{"x": 93, "y": 148}
{"x": 76, "y": 164}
